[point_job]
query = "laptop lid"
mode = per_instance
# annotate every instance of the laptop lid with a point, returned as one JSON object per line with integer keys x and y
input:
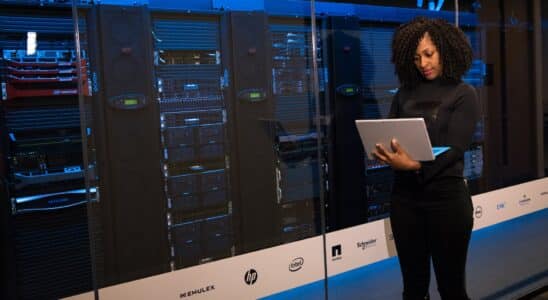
{"x": 410, "y": 133}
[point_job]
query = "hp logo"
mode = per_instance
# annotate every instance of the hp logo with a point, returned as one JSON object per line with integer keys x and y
{"x": 251, "y": 277}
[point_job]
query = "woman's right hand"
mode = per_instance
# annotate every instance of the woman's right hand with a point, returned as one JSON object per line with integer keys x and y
{"x": 399, "y": 159}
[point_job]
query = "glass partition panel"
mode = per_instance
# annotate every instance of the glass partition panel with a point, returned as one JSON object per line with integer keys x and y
{"x": 208, "y": 148}
{"x": 45, "y": 239}
{"x": 357, "y": 48}
{"x": 360, "y": 33}
{"x": 213, "y": 143}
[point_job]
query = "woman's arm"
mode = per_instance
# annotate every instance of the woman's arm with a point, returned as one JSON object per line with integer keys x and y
{"x": 460, "y": 133}
{"x": 459, "y": 137}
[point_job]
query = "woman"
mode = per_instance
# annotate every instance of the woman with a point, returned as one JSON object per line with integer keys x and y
{"x": 431, "y": 209}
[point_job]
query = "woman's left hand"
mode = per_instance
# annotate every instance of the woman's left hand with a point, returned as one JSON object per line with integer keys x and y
{"x": 399, "y": 160}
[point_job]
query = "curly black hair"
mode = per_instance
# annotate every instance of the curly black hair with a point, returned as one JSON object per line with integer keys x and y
{"x": 453, "y": 46}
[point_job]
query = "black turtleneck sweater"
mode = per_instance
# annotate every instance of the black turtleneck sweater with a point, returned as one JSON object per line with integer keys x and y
{"x": 451, "y": 112}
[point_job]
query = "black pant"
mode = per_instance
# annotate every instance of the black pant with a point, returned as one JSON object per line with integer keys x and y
{"x": 432, "y": 222}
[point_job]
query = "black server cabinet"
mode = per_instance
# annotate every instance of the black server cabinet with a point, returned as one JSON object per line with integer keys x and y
{"x": 274, "y": 139}
{"x": 45, "y": 233}
{"x": 251, "y": 111}
{"x": 475, "y": 158}
{"x": 132, "y": 209}
{"x": 378, "y": 86}
{"x": 347, "y": 199}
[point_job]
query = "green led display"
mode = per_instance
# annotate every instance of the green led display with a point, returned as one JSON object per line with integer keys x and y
{"x": 131, "y": 101}
{"x": 349, "y": 90}
{"x": 254, "y": 95}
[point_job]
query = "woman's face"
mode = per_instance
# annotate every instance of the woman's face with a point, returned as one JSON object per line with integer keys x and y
{"x": 427, "y": 58}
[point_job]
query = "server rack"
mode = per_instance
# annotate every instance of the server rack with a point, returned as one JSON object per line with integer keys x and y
{"x": 237, "y": 165}
{"x": 477, "y": 155}
{"x": 379, "y": 84}
{"x": 238, "y": 127}
{"x": 300, "y": 165}
{"x": 347, "y": 205}
{"x": 44, "y": 198}
{"x": 193, "y": 116}
{"x": 277, "y": 105}
{"x": 251, "y": 116}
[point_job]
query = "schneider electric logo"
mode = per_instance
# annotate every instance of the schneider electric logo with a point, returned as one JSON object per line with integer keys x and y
{"x": 336, "y": 252}
{"x": 251, "y": 277}
{"x": 202, "y": 290}
{"x": 296, "y": 264}
{"x": 367, "y": 244}
{"x": 478, "y": 212}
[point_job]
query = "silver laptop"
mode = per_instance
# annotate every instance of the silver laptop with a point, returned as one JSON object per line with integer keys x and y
{"x": 410, "y": 133}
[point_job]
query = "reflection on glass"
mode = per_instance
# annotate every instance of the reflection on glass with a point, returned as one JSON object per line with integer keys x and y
{"x": 374, "y": 28}
{"x": 228, "y": 122}
{"x": 297, "y": 162}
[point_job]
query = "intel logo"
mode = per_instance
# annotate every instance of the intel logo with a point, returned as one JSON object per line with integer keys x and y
{"x": 296, "y": 264}
{"x": 478, "y": 212}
